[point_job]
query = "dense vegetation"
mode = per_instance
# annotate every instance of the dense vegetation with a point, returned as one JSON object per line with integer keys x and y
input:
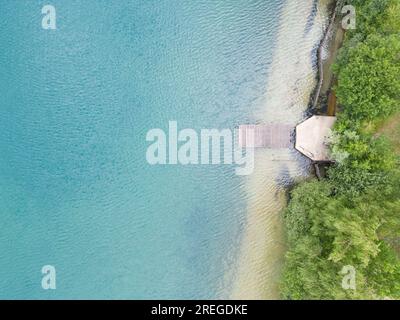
{"x": 349, "y": 218}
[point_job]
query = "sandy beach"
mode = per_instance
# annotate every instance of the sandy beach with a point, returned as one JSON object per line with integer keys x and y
{"x": 291, "y": 82}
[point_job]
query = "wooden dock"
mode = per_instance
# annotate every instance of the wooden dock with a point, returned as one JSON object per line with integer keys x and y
{"x": 273, "y": 136}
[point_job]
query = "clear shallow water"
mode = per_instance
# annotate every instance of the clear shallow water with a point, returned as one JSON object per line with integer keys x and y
{"x": 76, "y": 191}
{"x": 291, "y": 80}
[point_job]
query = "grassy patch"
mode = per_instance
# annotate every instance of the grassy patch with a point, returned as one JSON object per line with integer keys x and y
{"x": 391, "y": 129}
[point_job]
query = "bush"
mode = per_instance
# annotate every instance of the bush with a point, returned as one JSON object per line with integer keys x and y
{"x": 369, "y": 78}
{"x": 344, "y": 219}
{"x": 327, "y": 232}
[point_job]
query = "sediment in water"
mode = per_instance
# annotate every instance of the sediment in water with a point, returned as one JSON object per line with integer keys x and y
{"x": 292, "y": 80}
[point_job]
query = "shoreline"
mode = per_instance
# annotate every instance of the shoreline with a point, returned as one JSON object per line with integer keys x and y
{"x": 361, "y": 189}
{"x": 263, "y": 244}
{"x": 325, "y": 46}
{"x": 324, "y": 98}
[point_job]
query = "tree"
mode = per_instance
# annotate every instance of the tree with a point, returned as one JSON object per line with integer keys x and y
{"x": 346, "y": 219}
{"x": 369, "y": 78}
{"x": 376, "y": 17}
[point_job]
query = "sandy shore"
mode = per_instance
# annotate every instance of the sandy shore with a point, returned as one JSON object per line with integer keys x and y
{"x": 291, "y": 82}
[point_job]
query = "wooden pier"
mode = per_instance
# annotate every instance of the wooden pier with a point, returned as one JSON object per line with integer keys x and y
{"x": 273, "y": 136}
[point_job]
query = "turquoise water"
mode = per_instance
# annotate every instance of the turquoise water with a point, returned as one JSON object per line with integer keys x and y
{"x": 76, "y": 191}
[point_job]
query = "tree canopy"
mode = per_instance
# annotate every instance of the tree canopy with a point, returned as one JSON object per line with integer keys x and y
{"x": 345, "y": 219}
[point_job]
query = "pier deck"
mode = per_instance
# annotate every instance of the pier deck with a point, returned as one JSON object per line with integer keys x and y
{"x": 274, "y": 136}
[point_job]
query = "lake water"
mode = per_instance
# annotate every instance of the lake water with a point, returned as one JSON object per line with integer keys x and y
{"x": 76, "y": 103}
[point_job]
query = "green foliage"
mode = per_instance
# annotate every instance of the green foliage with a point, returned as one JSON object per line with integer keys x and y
{"x": 327, "y": 232}
{"x": 307, "y": 199}
{"x": 384, "y": 272}
{"x": 376, "y": 17}
{"x": 307, "y": 275}
{"x": 352, "y": 182}
{"x": 364, "y": 152}
{"x": 343, "y": 220}
{"x": 369, "y": 78}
